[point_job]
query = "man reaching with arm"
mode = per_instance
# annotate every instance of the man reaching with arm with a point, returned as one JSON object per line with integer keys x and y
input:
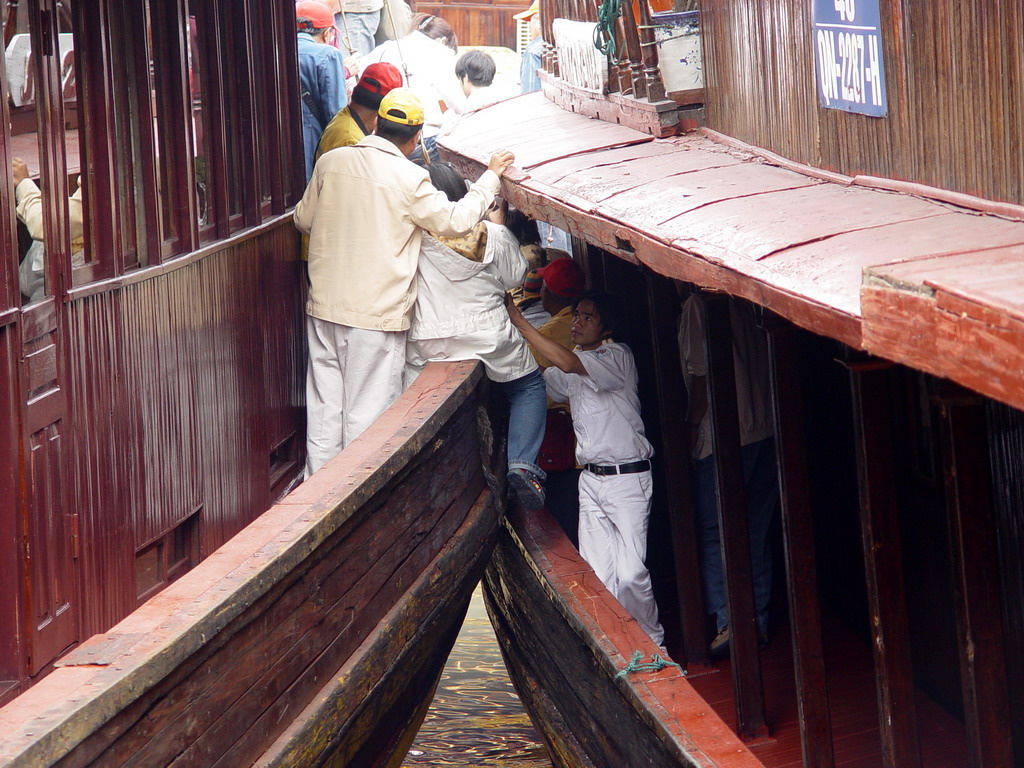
{"x": 599, "y": 380}
{"x": 365, "y": 210}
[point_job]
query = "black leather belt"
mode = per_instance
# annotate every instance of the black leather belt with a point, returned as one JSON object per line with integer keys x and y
{"x": 620, "y": 469}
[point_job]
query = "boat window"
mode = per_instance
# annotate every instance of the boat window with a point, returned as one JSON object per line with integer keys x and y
{"x": 200, "y": 132}
{"x": 176, "y": 114}
{"x": 260, "y": 33}
{"x": 40, "y": 71}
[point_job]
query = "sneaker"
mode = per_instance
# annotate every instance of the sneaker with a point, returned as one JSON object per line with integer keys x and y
{"x": 720, "y": 645}
{"x": 527, "y": 488}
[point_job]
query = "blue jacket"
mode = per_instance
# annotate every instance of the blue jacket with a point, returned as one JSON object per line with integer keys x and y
{"x": 322, "y": 76}
{"x": 528, "y": 79}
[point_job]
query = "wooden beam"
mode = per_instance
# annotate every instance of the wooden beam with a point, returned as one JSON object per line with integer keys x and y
{"x": 798, "y": 538}
{"x": 663, "y": 306}
{"x": 974, "y": 555}
{"x": 883, "y": 562}
{"x": 732, "y": 520}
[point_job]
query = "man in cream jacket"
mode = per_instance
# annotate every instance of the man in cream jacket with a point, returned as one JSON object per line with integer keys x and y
{"x": 365, "y": 210}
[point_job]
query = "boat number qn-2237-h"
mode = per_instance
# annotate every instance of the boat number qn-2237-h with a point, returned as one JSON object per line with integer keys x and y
{"x": 848, "y": 64}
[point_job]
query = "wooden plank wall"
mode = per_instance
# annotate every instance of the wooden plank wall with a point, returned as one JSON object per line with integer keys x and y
{"x": 478, "y": 23}
{"x": 180, "y": 387}
{"x": 955, "y": 82}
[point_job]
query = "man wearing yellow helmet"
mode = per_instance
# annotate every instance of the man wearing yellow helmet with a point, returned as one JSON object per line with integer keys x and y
{"x": 365, "y": 210}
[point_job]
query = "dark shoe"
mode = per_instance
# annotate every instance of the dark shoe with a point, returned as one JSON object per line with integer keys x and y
{"x": 720, "y": 645}
{"x": 527, "y": 488}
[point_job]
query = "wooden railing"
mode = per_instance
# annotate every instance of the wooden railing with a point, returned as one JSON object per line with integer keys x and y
{"x": 632, "y": 90}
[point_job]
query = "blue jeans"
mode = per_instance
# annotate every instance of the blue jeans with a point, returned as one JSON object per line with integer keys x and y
{"x": 430, "y": 142}
{"x": 760, "y": 484}
{"x": 528, "y": 405}
{"x": 360, "y": 29}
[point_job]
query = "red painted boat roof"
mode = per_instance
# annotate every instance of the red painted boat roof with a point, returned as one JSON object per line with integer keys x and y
{"x": 832, "y": 255}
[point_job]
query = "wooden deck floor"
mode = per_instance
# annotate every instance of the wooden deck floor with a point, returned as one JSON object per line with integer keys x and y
{"x": 855, "y": 729}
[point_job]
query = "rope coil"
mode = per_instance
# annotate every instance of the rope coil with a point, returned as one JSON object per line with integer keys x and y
{"x": 656, "y": 664}
{"x": 604, "y": 33}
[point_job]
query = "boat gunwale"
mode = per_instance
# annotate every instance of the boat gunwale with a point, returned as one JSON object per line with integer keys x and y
{"x": 648, "y": 693}
{"x": 109, "y": 671}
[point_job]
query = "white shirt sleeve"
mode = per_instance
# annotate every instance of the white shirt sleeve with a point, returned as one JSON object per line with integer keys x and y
{"x": 557, "y": 382}
{"x": 606, "y": 367}
{"x": 509, "y": 262}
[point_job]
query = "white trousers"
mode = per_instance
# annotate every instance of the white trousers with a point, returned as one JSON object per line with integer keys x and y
{"x": 352, "y": 377}
{"x": 614, "y": 510}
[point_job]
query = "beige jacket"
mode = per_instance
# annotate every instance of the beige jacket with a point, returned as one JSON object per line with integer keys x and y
{"x": 365, "y": 210}
{"x": 30, "y": 209}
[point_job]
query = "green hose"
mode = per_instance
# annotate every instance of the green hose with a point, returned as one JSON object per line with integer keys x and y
{"x": 604, "y": 33}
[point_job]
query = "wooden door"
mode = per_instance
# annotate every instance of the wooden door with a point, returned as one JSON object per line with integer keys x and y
{"x": 50, "y": 522}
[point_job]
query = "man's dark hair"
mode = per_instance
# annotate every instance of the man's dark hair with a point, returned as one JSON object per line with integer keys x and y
{"x": 609, "y": 307}
{"x": 448, "y": 180}
{"x": 396, "y": 133}
{"x": 364, "y": 98}
{"x": 477, "y": 66}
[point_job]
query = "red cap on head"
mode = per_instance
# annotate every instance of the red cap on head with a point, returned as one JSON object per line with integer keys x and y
{"x": 563, "y": 278}
{"x": 377, "y": 81}
{"x": 318, "y": 13}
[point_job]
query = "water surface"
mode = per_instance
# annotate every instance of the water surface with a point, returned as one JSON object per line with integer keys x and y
{"x": 476, "y": 718}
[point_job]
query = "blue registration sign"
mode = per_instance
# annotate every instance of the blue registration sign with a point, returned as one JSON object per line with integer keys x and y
{"x": 848, "y": 56}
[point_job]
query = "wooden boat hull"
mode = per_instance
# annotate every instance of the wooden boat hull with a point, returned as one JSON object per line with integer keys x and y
{"x": 314, "y": 637}
{"x": 565, "y": 639}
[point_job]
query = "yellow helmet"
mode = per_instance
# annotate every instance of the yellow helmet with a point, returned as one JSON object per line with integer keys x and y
{"x": 401, "y": 105}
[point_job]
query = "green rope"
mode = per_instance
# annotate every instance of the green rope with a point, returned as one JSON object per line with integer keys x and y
{"x": 656, "y": 664}
{"x": 604, "y": 33}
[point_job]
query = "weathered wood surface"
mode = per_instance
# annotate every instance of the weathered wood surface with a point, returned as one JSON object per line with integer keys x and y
{"x": 565, "y": 638}
{"x": 791, "y": 239}
{"x": 957, "y": 315}
{"x": 359, "y": 558}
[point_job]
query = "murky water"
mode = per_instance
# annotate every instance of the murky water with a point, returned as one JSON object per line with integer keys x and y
{"x": 476, "y": 718}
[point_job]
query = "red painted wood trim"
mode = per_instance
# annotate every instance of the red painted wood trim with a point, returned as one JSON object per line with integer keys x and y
{"x": 996, "y": 207}
{"x": 667, "y": 695}
{"x": 671, "y": 259}
{"x": 779, "y": 160}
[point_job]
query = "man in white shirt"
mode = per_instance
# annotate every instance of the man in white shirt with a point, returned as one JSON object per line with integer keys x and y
{"x": 365, "y": 210}
{"x": 475, "y": 71}
{"x": 599, "y": 380}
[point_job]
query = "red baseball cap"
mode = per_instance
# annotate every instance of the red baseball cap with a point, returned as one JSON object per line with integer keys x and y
{"x": 318, "y": 13}
{"x": 563, "y": 278}
{"x": 376, "y": 82}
